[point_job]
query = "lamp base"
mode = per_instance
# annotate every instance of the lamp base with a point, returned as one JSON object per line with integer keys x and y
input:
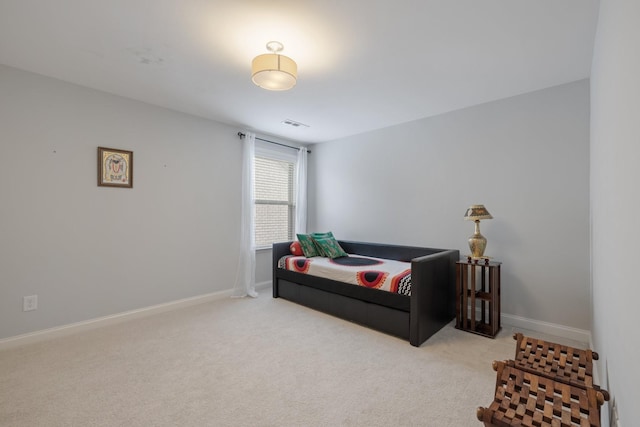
{"x": 483, "y": 260}
{"x": 469, "y": 256}
{"x": 477, "y": 242}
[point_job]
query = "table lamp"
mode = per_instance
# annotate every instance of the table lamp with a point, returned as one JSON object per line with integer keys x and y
{"x": 477, "y": 242}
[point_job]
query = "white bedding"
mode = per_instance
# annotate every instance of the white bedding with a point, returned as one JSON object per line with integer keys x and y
{"x": 383, "y": 274}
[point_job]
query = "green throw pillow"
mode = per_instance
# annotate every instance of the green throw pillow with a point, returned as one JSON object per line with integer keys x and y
{"x": 330, "y": 247}
{"x": 316, "y": 236}
{"x": 326, "y": 235}
{"x": 309, "y": 247}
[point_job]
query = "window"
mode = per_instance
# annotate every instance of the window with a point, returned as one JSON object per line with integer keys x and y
{"x": 275, "y": 209}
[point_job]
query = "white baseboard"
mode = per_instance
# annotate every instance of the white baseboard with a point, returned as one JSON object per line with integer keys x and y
{"x": 72, "y": 328}
{"x": 568, "y": 332}
{"x": 263, "y": 285}
{"x": 60, "y": 331}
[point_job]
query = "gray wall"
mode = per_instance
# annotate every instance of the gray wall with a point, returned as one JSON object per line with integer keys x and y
{"x": 615, "y": 202}
{"x": 90, "y": 251}
{"x": 526, "y": 158}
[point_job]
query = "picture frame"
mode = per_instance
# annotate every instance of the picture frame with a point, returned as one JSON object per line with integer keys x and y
{"x": 115, "y": 168}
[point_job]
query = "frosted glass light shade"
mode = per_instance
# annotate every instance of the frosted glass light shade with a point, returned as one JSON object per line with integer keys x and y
{"x": 274, "y": 72}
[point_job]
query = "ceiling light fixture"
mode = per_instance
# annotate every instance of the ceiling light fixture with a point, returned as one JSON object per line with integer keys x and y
{"x": 273, "y": 71}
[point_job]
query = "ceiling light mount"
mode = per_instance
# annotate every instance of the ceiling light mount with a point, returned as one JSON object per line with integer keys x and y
{"x": 273, "y": 71}
{"x": 275, "y": 47}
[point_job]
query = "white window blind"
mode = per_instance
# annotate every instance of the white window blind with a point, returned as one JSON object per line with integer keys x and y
{"x": 275, "y": 209}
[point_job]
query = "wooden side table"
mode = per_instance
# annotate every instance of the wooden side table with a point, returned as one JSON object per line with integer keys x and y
{"x": 478, "y": 292}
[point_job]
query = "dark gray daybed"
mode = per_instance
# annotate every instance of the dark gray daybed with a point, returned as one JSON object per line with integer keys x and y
{"x": 416, "y": 317}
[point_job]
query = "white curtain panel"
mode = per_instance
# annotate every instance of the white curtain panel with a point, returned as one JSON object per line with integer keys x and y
{"x": 301, "y": 192}
{"x": 246, "y": 275}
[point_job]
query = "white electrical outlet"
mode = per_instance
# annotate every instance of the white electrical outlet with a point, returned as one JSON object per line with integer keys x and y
{"x": 30, "y": 303}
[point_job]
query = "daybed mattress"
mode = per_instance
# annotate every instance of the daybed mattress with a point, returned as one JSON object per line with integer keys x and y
{"x": 376, "y": 273}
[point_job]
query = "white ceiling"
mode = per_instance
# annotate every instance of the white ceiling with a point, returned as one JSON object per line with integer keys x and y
{"x": 362, "y": 64}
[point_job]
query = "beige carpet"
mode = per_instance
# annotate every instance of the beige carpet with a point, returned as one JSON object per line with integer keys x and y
{"x": 248, "y": 362}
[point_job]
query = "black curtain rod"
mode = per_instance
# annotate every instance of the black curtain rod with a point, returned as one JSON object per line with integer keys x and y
{"x": 242, "y": 135}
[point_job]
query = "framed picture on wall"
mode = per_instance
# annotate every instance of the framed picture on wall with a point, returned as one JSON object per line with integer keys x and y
{"x": 115, "y": 168}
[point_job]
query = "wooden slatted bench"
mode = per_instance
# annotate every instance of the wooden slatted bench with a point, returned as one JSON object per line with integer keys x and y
{"x": 557, "y": 362}
{"x": 525, "y": 399}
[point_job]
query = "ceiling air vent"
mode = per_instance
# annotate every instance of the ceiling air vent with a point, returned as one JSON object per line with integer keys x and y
{"x": 293, "y": 123}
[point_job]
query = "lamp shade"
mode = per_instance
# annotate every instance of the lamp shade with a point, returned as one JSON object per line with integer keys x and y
{"x": 274, "y": 72}
{"x": 476, "y": 213}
